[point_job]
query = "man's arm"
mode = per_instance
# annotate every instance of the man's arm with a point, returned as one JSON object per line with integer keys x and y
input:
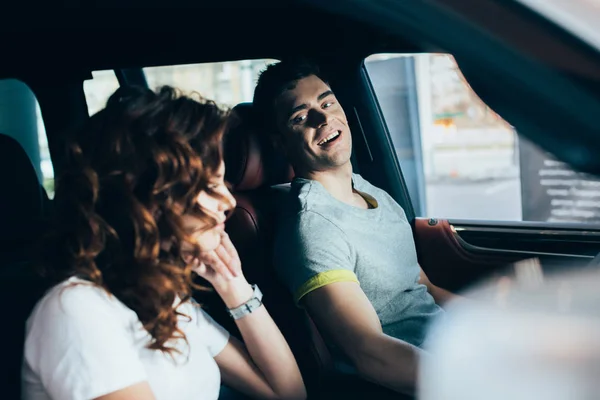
{"x": 344, "y": 315}
{"x": 441, "y": 296}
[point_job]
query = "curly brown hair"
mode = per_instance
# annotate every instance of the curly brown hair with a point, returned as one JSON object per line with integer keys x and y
{"x": 132, "y": 172}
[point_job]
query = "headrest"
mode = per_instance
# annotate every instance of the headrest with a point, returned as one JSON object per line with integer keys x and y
{"x": 22, "y": 198}
{"x": 251, "y": 161}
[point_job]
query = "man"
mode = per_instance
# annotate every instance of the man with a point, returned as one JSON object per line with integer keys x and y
{"x": 344, "y": 247}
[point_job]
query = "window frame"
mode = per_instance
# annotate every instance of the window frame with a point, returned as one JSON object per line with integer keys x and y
{"x": 406, "y": 202}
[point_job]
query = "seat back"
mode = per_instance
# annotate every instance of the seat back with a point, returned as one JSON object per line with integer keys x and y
{"x": 23, "y": 206}
{"x": 23, "y": 201}
{"x": 260, "y": 177}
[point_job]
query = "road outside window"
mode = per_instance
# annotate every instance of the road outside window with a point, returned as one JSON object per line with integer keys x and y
{"x": 460, "y": 159}
{"x": 227, "y": 83}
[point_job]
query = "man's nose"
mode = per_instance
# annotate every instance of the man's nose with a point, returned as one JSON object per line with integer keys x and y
{"x": 319, "y": 117}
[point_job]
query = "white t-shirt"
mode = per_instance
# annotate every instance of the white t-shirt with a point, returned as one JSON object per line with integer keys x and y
{"x": 82, "y": 343}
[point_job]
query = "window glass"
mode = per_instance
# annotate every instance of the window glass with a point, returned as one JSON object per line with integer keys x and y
{"x": 98, "y": 89}
{"x": 227, "y": 83}
{"x": 578, "y": 16}
{"x": 460, "y": 159}
{"x": 20, "y": 118}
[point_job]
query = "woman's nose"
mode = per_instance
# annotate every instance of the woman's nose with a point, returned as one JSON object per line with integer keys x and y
{"x": 228, "y": 202}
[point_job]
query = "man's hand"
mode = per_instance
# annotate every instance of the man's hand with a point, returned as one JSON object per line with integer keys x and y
{"x": 441, "y": 296}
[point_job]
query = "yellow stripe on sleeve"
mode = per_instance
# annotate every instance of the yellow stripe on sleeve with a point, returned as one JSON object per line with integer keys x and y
{"x": 324, "y": 279}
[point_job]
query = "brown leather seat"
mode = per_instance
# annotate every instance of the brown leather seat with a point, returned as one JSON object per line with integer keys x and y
{"x": 23, "y": 210}
{"x": 259, "y": 176}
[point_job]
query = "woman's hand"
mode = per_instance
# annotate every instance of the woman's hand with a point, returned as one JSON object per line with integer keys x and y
{"x": 223, "y": 269}
{"x": 264, "y": 367}
{"x": 220, "y": 265}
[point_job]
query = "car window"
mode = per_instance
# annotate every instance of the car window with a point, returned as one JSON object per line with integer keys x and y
{"x": 460, "y": 159}
{"x": 21, "y": 119}
{"x": 578, "y": 16}
{"x": 99, "y": 88}
{"x": 227, "y": 83}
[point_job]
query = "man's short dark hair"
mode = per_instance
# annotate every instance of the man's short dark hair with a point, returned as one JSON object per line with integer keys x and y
{"x": 273, "y": 81}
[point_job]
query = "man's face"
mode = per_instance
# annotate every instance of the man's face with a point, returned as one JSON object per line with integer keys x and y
{"x": 313, "y": 126}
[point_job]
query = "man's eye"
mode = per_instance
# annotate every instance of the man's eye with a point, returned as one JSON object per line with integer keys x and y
{"x": 298, "y": 119}
{"x": 328, "y": 104}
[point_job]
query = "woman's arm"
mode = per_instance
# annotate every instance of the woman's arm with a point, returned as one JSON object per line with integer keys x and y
{"x": 138, "y": 391}
{"x": 264, "y": 366}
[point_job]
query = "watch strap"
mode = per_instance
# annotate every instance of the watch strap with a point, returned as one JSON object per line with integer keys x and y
{"x": 249, "y": 306}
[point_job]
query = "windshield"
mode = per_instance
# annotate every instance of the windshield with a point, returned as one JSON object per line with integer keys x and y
{"x": 581, "y": 17}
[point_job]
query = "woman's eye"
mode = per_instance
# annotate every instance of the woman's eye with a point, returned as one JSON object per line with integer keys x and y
{"x": 328, "y": 104}
{"x": 214, "y": 186}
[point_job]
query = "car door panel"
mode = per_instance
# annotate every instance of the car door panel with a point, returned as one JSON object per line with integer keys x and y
{"x": 457, "y": 254}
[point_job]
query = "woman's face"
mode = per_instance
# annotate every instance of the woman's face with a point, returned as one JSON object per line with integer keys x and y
{"x": 216, "y": 208}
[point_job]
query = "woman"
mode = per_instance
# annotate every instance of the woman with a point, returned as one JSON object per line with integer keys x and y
{"x": 141, "y": 208}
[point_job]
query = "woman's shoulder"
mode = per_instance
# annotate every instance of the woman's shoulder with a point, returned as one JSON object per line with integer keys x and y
{"x": 75, "y": 300}
{"x": 75, "y": 293}
{"x": 88, "y": 333}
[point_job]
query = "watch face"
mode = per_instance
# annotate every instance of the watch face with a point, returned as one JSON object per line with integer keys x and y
{"x": 246, "y": 308}
{"x": 249, "y": 306}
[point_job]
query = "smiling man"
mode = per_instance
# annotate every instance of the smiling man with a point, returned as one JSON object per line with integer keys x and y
{"x": 344, "y": 248}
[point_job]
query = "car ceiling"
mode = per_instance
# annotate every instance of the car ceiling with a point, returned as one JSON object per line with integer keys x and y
{"x": 124, "y": 38}
{"x": 551, "y": 100}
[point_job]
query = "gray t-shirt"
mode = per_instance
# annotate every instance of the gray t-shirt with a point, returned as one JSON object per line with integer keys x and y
{"x": 322, "y": 240}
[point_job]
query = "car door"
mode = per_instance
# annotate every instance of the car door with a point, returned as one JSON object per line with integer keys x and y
{"x": 482, "y": 196}
{"x": 475, "y": 151}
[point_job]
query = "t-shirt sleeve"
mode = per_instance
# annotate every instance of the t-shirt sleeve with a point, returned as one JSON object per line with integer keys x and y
{"x": 79, "y": 345}
{"x": 312, "y": 252}
{"x": 214, "y": 335}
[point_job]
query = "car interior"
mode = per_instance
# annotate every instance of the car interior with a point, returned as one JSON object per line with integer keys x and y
{"x": 541, "y": 78}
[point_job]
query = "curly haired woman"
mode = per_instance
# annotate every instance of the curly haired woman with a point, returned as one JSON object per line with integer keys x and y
{"x": 141, "y": 210}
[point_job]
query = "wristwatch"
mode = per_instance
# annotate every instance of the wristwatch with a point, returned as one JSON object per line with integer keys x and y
{"x": 249, "y": 306}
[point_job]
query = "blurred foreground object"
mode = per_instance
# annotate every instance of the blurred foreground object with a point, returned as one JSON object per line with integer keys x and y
{"x": 525, "y": 337}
